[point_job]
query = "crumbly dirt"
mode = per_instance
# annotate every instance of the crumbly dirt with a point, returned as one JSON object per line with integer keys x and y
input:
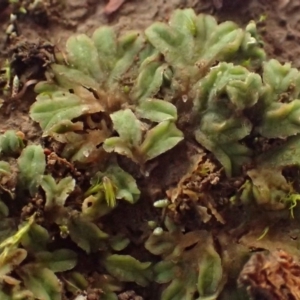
{"x": 278, "y": 23}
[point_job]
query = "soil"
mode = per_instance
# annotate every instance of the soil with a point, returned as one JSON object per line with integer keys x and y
{"x": 31, "y": 47}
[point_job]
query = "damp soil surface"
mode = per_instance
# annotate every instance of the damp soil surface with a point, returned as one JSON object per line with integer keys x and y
{"x": 28, "y": 39}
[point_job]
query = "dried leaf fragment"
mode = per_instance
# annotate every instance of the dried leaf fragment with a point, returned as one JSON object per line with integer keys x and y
{"x": 112, "y": 6}
{"x": 273, "y": 276}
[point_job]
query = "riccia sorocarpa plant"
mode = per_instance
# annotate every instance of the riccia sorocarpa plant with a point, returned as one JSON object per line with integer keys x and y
{"x": 113, "y": 110}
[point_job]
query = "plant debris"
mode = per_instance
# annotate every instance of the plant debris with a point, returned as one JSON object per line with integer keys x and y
{"x": 272, "y": 276}
{"x": 112, "y": 6}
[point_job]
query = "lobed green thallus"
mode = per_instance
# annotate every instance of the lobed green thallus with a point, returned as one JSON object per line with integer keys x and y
{"x": 130, "y": 95}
